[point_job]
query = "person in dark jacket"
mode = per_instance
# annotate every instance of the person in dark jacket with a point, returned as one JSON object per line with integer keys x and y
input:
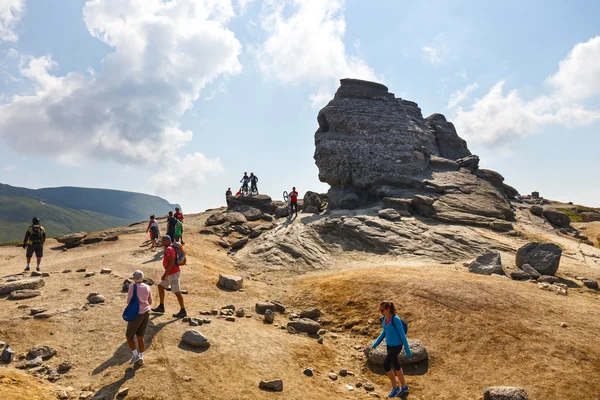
{"x": 35, "y": 237}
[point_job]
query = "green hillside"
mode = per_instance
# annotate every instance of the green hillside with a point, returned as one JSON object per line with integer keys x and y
{"x": 70, "y": 209}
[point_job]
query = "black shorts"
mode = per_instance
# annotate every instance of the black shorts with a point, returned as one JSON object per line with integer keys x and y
{"x": 38, "y": 249}
{"x": 154, "y": 231}
{"x": 294, "y": 205}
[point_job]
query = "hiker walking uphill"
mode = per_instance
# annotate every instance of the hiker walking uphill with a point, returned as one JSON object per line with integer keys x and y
{"x": 170, "y": 278}
{"x": 137, "y": 316}
{"x": 179, "y": 226}
{"x": 154, "y": 232}
{"x": 171, "y": 225}
{"x": 395, "y": 338}
{"x": 34, "y": 243}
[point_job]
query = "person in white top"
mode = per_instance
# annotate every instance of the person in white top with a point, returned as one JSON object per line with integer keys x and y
{"x": 153, "y": 229}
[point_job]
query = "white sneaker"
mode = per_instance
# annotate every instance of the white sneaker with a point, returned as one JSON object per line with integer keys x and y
{"x": 140, "y": 361}
{"x": 134, "y": 359}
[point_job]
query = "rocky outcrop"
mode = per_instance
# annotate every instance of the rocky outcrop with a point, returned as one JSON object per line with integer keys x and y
{"x": 590, "y": 216}
{"x": 312, "y": 200}
{"x": 261, "y": 202}
{"x": 488, "y": 263}
{"x": 557, "y": 218}
{"x": 371, "y": 146}
{"x": 73, "y": 239}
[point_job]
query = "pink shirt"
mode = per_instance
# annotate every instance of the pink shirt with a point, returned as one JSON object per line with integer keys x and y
{"x": 144, "y": 295}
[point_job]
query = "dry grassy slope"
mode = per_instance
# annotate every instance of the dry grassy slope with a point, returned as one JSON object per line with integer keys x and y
{"x": 478, "y": 330}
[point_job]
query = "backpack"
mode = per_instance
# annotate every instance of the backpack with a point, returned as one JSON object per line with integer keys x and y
{"x": 8, "y": 355}
{"x": 36, "y": 236}
{"x": 133, "y": 308}
{"x": 180, "y": 259}
{"x": 404, "y": 326}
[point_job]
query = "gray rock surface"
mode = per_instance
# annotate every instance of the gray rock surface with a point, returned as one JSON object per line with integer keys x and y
{"x": 194, "y": 338}
{"x": 399, "y": 204}
{"x": 313, "y": 313}
{"x": 72, "y": 239}
{"x": 537, "y": 210}
{"x": 557, "y": 218}
{"x": 312, "y": 199}
{"x": 531, "y": 271}
{"x": 390, "y": 214}
{"x": 261, "y": 202}
{"x": 262, "y": 307}
{"x": 235, "y": 218}
{"x": 24, "y": 294}
{"x": 43, "y": 351}
{"x": 231, "y": 282}
{"x": 305, "y": 325}
{"x": 519, "y": 275}
{"x": 543, "y": 257}
{"x": 272, "y": 385}
{"x": 95, "y": 298}
{"x": 216, "y": 219}
{"x": 488, "y": 263}
{"x": 251, "y": 213}
{"x": 417, "y": 348}
{"x": 26, "y": 284}
{"x": 505, "y": 393}
{"x": 590, "y": 216}
{"x": 450, "y": 145}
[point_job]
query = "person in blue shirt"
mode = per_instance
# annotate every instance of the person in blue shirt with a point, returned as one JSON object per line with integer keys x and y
{"x": 395, "y": 338}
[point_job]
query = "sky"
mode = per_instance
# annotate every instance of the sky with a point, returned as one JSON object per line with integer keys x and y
{"x": 178, "y": 98}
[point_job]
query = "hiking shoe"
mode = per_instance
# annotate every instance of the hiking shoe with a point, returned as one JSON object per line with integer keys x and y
{"x": 37, "y": 268}
{"x": 27, "y": 268}
{"x": 134, "y": 359}
{"x": 395, "y": 392}
{"x": 159, "y": 309}
{"x": 403, "y": 390}
{"x": 181, "y": 314}
{"x": 140, "y": 361}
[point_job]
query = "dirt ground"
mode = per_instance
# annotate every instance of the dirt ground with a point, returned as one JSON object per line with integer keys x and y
{"x": 478, "y": 330}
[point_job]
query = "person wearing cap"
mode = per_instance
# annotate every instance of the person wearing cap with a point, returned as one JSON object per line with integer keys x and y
{"x": 137, "y": 327}
{"x": 34, "y": 240}
{"x": 170, "y": 278}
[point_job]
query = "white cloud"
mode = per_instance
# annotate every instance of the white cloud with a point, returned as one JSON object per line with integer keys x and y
{"x": 164, "y": 54}
{"x": 432, "y": 54}
{"x": 460, "y": 95}
{"x": 500, "y": 117}
{"x": 10, "y": 15}
{"x": 578, "y": 75}
{"x": 304, "y": 45}
{"x": 185, "y": 173}
{"x": 8, "y": 168}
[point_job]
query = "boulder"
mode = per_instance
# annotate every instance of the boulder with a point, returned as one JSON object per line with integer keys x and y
{"x": 543, "y": 257}
{"x": 537, "y": 210}
{"x": 505, "y": 393}
{"x": 261, "y": 202}
{"x": 470, "y": 163}
{"x": 312, "y": 200}
{"x": 26, "y": 284}
{"x": 231, "y": 282}
{"x": 238, "y": 244}
{"x": 24, "y": 294}
{"x": 488, "y": 263}
{"x": 251, "y": 213}
{"x": 590, "y": 216}
{"x": 262, "y": 307}
{"x": 95, "y": 298}
{"x": 282, "y": 211}
{"x": 243, "y": 229}
{"x": 492, "y": 177}
{"x": 194, "y": 338}
{"x": 418, "y": 350}
{"x": 93, "y": 239}
{"x": 313, "y": 314}
{"x": 389, "y": 214}
{"x": 531, "y": 271}
{"x": 519, "y": 275}
{"x": 235, "y": 218}
{"x": 43, "y": 351}
{"x": 72, "y": 239}
{"x": 216, "y": 219}
{"x": 305, "y": 325}
{"x": 557, "y": 218}
{"x": 510, "y": 191}
{"x": 449, "y": 143}
{"x": 274, "y": 385}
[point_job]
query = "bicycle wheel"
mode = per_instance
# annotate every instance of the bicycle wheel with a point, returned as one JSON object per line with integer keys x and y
{"x": 286, "y": 197}
{"x": 289, "y": 209}
{"x": 245, "y": 190}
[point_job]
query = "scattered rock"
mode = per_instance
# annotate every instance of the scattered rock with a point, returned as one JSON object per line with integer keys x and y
{"x": 37, "y": 310}
{"x": 194, "y": 338}
{"x": 27, "y": 284}
{"x": 548, "y": 279}
{"x": 418, "y": 350}
{"x": 35, "y": 274}
{"x": 333, "y": 376}
{"x": 238, "y": 244}
{"x": 231, "y": 282}
{"x": 343, "y": 372}
{"x": 537, "y": 210}
{"x": 305, "y": 325}
{"x": 358, "y": 385}
{"x": 93, "y": 239}
{"x": 105, "y": 271}
{"x": 274, "y": 385}
{"x": 590, "y": 283}
{"x": 543, "y": 257}
{"x": 505, "y": 393}
{"x": 369, "y": 387}
{"x": 389, "y": 214}
{"x": 216, "y": 219}
{"x": 269, "y": 316}
{"x": 309, "y": 372}
{"x": 531, "y": 271}
{"x": 313, "y": 314}
{"x": 44, "y": 315}
{"x": 111, "y": 238}
{"x": 564, "y": 325}
{"x": 240, "y": 313}
{"x": 65, "y": 367}
{"x": 95, "y": 298}
{"x": 123, "y": 392}
{"x": 223, "y": 244}
{"x": 187, "y": 378}
{"x": 313, "y": 201}
{"x": 24, "y": 294}
{"x": 251, "y": 213}
{"x": 230, "y": 319}
{"x": 86, "y": 395}
{"x": 89, "y": 274}
{"x": 44, "y": 351}
{"x": 35, "y": 362}
{"x": 81, "y": 270}
{"x": 487, "y": 264}
{"x": 254, "y": 234}
{"x": 267, "y": 217}
{"x": 264, "y": 306}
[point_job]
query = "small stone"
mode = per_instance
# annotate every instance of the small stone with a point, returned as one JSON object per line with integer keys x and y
{"x": 86, "y": 395}
{"x": 228, "y": 307}
{"x": 90, "y": 274}
{"x": 36, "y": 273}
{"x": 333, "y": 336}
{"x": 44, "y": 315}
{"x": 206, "y": 321}
{"x": 358, "y": 385}
{"x": 590, "y": 283}
{"x": 45, "y": 275}
{"x": 187, "y": 378}
{"x": 230, "y": 319}
{"x": 24, "y": 294}
{"x": 269, "y": 316}
{"x": 194, "y": 338}
{"x": 564, "y": 325}
{"x": 95, "y": 298}
{"x": 106, "y": 271}
{"x": 44, "y": 351}
{"x": 123, "y": 392}
{"x": 309, "y": 372}
{"x": 231, "y": 282}
{"x": 274, "y": 385}
{"x": 81, "y": 270}
{"x": 322, "y": 332}
{"x": 183, "y": 291}
{"x": 333, "y": 376}
{"x": 36, "y": 362}
{"x": 65, "y": 367}
{"x": 350, "y": 387}
{"x": 67, "y": 271}
{"x": 240, "y": 313}
{"x": 505, "y": 393}
{"x": 320, "y": 340}
{"x": 343, "y": 372}
{"x": 369, "y": 387}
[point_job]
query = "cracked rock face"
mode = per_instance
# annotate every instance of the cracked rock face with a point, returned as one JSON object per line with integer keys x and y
{"x": 371, "y": 145}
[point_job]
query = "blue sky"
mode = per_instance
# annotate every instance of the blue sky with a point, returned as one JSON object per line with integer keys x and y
{"x": 179, "y": 98}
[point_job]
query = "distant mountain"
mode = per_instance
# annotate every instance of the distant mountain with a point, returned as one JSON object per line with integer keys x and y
{"x": 70, "y": 209}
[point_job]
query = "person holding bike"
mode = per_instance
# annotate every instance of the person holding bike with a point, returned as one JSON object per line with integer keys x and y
{"x": 245, "y": 180}
{"x": 293, "y": 201}
{"x": 253, "y": 183}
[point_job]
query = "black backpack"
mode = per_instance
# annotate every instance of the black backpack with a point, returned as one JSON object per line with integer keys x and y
{"x": 36, "y": 236}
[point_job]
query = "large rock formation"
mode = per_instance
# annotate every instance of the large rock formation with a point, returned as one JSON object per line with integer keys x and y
{"x": 371, "y": 145}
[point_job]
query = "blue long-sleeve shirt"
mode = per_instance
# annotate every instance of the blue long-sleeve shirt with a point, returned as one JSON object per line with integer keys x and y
{"x": 393, "y": 334}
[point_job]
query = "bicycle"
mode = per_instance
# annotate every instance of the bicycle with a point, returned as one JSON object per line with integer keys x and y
{"x": 244, "y": 190}
{"x": 288, "y": 200}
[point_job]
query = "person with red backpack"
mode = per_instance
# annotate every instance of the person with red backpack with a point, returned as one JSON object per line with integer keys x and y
{"x": 171, "y": 263}
{"x": 35, "y": 237}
